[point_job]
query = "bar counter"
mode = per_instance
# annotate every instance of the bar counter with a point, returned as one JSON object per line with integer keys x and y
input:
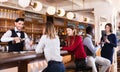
{"x": 20, "y": 59}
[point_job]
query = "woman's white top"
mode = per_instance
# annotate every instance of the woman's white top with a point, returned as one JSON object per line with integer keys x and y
{"x": 50, "y": 47}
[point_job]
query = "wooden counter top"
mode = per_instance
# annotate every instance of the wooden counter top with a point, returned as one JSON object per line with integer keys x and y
{"x": 23, "y": 55}
{"x": 15, "y": 56}
{"x": 21, "y": 59}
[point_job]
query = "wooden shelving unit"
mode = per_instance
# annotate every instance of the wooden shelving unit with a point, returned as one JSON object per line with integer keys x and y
{"x": 34, "y": 23}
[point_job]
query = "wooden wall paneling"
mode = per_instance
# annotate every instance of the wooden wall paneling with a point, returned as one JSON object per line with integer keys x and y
{"x": 2, "y": 25}
{"x": 37, "y": 28}
{"x": 28, "y": 26}
{"x": 10, "y": 24}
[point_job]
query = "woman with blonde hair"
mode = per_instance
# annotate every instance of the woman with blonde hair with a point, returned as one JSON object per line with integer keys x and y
{"x": 50, "y": 45}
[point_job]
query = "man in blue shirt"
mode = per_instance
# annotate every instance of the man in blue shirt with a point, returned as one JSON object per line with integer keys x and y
{"x": 91, "y": 51}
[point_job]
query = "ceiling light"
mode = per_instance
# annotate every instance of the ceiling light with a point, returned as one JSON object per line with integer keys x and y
{"x": 60, "y": 12}
{"x": 24, "y": 3}
{"x": 3, "y": 0}
{"x": 51, "y": 10}
{"x": 36, "y": 6}
{"x": 70, "y": 15}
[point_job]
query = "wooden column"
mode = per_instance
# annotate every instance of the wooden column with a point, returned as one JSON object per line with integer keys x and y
{"x": 22, "y": 67}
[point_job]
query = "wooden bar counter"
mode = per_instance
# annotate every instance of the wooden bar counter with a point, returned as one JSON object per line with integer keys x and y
{"x": 21, "y": 59}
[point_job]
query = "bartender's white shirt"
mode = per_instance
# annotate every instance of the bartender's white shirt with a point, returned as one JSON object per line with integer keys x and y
{"x": 7, "y": 38}
{"x": 50, "y": 47}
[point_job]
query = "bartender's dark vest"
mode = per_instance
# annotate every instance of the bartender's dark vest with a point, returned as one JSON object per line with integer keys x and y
{"x": 16, "y": 46}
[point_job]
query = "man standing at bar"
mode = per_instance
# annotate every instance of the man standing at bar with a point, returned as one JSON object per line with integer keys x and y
{"x": 16, "y": 38}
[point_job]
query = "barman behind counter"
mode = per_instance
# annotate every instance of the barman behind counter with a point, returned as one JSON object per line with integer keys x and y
{"x": 16, "y": 38}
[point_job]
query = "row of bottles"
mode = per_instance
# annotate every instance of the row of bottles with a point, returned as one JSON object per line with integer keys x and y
{"x": 9, "y": 13}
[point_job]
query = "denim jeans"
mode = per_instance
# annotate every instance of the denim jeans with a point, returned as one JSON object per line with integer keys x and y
{"x": 80, "y": 63}
{"x": 54, "y": 66}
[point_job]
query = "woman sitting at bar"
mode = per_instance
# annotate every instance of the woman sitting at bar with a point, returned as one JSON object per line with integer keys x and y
{"x": 50, "y": 44}
{"x": 75, "y": 46}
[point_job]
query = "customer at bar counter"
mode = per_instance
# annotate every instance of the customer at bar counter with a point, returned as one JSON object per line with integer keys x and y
{"x": 16, "y": 38}
{"x": 50, "y": 45}
{"x": 110, "y": 41}
{"x": 75, "y": 46}
{"x": 91, "y": 51}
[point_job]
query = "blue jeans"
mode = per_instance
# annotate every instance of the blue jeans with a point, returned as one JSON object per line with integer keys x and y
{"x": 54, "y": 66}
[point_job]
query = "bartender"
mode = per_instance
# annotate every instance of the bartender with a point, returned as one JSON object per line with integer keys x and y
{"x": 16, "y": 38}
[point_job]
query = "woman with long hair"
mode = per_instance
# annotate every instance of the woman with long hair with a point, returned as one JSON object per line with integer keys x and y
{"x": 50, "y": 45}
{"x": 75, "y": 46}
{"x": 110, "y": 42}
